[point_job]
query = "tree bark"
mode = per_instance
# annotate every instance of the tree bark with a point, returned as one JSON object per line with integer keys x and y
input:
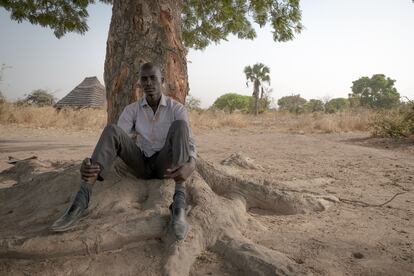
{"x": 143, "y": 31}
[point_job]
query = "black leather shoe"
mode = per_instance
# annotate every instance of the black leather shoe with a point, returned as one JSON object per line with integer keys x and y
{"x": 77, "y": 210}
{"x": 179, "y": 223}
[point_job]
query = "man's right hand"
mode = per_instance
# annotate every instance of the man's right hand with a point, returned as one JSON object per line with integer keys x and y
{"x": 89, "y": 172}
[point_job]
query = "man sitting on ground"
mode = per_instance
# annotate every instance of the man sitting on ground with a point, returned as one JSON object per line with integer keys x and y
{"x": 164, "y": 148}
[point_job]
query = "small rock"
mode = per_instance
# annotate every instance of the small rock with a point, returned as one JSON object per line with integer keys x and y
{"x": 357, "y": 255}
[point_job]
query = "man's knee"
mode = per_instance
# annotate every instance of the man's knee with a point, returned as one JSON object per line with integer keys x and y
{"x": 179, "y": 125}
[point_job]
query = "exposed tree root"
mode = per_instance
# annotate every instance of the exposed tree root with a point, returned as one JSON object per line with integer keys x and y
{"x": 125, "y": 210}
{"x": 365, "y": 204}
{"x": 254, "y": 259}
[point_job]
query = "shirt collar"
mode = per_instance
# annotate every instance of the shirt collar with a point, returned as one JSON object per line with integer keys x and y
{"x": 163, "y": 101}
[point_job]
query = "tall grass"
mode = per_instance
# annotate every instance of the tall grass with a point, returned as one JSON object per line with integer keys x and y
{"x": 49, "y": 117}
{"x": 285, "y": 121}
{"x": 82, "y": 119}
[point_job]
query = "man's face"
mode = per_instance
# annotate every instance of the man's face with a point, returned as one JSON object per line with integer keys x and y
{"x": 151, "y": 81}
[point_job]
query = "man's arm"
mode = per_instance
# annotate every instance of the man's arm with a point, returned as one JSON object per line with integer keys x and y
{"x": 127, "y": 120}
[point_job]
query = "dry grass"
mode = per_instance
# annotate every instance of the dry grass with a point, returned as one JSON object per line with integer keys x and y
{"x": 213, "y": 120}
{"x": 287, "y": 122}
{"x": 49, "y": 117}
{"x": 329, "y": 123}
{"x": 93, "y": 119}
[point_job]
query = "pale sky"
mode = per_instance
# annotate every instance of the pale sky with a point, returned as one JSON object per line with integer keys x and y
{"x": 343, "y": 40}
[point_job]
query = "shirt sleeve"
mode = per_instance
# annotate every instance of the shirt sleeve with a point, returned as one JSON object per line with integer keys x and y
{"x": 127, "y": 120}
{"x": 181, "y": 114}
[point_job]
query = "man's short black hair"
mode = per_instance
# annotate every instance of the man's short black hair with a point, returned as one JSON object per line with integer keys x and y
{"x": 149, "y": 65}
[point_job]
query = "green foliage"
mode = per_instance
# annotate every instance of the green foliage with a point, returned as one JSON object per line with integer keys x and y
{"x": 39, "y": 97}
{"x": 336, "y": 105}
{"x": 203, "y": 22}
{"x": 314, "y": 106}
{"x": 293, "y": 104}
{"x": 259, "y": 72}
{"x": 210, "y": 21}
{"x": 375, "y": 92}
{"x": 61, "y": 16}
{"x": 265, "y": 100}
{"x": 398, "y": 122}
{"x": 264, "y": 105}
{"x": 192, "y": 103}
{"x": 232, "y": 101}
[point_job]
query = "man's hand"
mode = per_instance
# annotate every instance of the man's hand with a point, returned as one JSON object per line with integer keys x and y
{"x": 181, "y": 173}
{"x": 89, "y": 172}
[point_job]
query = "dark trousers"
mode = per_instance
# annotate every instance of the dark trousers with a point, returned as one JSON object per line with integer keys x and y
{"x": 114, "y": 142}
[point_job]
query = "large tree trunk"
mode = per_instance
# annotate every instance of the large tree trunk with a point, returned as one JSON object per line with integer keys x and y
{"x": 143, "y": 31}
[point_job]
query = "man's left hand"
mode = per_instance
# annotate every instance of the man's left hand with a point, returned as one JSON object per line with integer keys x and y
{"x": 181, "y": 173}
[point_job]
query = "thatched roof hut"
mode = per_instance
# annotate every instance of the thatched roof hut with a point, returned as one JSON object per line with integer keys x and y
{"x": 89, "y": 93}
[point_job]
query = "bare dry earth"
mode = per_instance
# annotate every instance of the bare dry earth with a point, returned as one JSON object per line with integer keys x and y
{"x": 360, "y": 235}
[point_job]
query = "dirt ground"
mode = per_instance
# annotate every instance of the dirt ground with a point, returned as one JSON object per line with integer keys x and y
{"x": 362, "y": 234}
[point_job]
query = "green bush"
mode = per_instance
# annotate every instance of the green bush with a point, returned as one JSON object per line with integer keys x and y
{"x": 38, "y": 97}
{"x": 395, "y": 123}
{"x": 294, "y": 104}
{"x": 336, "y": 105}
{"x": 231, "y": 101}
{"x": 314, "y": 106}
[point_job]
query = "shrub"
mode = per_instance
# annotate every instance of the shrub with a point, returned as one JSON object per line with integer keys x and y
{"x": 294, "y": 103}
{"x": 336, "y": 105}
{"x": 314, "y": 106}
{"x": 39, "y": 97}
{"x": 395, "y": 123}
{"x": 231, "y": 102}
{"x": 192, "y": 103}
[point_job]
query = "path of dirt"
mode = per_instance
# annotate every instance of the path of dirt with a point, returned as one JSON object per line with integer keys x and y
{"x": 354, "y": 237}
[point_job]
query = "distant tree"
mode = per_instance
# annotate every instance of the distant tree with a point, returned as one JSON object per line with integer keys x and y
{"x": 375, "y": 92}
{"x": 294, "y": 103}
{"x": 336, "y": 105}
{"x": 40, "y": 97}
{"x": 192, "y": 103}
{"x": 2, "y": 98}
{"x": 258, "y": 74}
{"x": 2, "y": 68}
{"x": 232, "y": 101}
{"x": 314, "y": 105}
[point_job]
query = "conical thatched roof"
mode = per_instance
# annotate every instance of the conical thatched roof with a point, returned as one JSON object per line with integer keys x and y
{"x": 89, "y": 93}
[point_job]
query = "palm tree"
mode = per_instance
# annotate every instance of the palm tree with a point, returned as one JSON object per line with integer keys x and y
{"x": 258, "y": 74}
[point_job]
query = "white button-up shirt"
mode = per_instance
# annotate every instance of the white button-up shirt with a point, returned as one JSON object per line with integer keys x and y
{"x": 152, "y": 129}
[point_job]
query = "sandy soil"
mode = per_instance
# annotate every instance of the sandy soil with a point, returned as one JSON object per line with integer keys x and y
{"x": 359, "y": 235}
